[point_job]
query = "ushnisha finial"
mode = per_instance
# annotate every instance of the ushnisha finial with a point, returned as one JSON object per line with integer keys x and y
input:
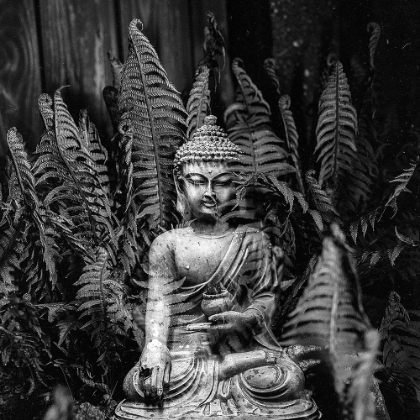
{"x": 209, "y": 143}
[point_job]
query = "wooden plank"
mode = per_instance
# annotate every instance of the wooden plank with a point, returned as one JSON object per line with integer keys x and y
{"x": 20, "y": 78}
{"x": 76, "y": 38}
{"x": 167, "y": 26}
{"x": 199, "y": 9}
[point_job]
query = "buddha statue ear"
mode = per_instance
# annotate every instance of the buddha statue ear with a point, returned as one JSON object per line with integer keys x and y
{"x": 182, "y": 204}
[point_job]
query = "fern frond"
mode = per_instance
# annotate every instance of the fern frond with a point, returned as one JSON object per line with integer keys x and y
{"x": 330, "y": 62}
{"x": 401, "y": 182}
{"x": 12, "y": 246}
{"x": 248, "y": 125}
{"x": 375, "y": 32}
{"x": 45, "y": 108}
{"x": 214, "y": 44}
{"x": 363, "y": 224}
{"x": 298, "y": 285}
{"x": 128, "y": 238}
{"x": 249, "y": 95}
{"x": 70, "y": 170}
{"x": 281, "y": 188}
{"x": 153, "y": 106}
{"x": 198, "y": 105}
{"x": 359, "y": 397}
{"x": 110, "y": 95}
{"x": 270, "y": 69}
{"x": 26, "y": 181}
{"x": 336, "y": 130}
{"x": 292, "y": 137}
{"x": 23, "y": 168}
{"x": 320, "y": 199}
{"x": 365, "y": 170}
{"x": 401, "y": 336}
{"x": 100, "y": 297}
{"x": 116, "y": 67}
{"x": 98, "y": 154}
{"x": 329, "y": 313}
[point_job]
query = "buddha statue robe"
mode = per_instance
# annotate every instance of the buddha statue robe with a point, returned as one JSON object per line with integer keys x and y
{"x": 243, "y": 375}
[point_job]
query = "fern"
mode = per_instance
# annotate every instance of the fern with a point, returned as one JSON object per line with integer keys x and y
{"x": 12, "y": 245}
{"x": 294, "y": 293}
{"x": 401, "y": 338}
{"x": 151, "y": 103}
{"x": 375, "y": 33}
{"x": 130, "y": 248}
{"x": 101, "y": 304}
{"x": 401, "y": 182}
{"x": 330, "y": 313}
{"x": 116, "y": 67}
{"x": 26, "y": 183}
{"x": 292, "y": 137}
{"x": 360, "y": 399}
{"x": 365, "y": 170}
{"x": 248, "y": 125}
{"x": 110, "y": 95}
{"x": 214, "y": 44}
{"x": 336, "y": 130}
{"x": 330, "y": 63}
{"x": 325, "y": 211}
{"x": 70, "y": 172}
{"x": 25, "y": 346}
{"x": 269, "y": 67}
{"x": 99, "y": 155}
{"x": 198, "y": 105}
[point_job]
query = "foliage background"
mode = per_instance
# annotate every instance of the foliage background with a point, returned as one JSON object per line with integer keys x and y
{"x": 386, "y": 252}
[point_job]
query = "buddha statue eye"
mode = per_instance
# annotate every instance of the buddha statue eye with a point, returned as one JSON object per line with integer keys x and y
{"x": 196, "y": 181}
{"x": 222, "y": 181}
{"x": 221, "y": 184}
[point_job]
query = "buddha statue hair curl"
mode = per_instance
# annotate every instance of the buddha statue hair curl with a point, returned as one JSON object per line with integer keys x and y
{"x": 208, "y": 144}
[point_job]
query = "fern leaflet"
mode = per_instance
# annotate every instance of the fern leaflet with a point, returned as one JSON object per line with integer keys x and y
{"x": 336, "y": 130}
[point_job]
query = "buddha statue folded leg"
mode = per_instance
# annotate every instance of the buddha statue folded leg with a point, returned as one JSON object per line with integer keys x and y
{"x": 257, "y": 383}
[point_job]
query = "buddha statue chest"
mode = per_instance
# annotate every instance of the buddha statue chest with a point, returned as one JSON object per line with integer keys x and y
{"x": 198, "y": 256}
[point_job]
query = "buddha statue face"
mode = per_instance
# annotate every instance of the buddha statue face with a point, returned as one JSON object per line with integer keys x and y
{"x": 208, "y": 188}
{"x": 203, "y": 178}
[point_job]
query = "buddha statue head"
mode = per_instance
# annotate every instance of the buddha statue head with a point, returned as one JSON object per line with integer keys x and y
{"x": 203, "y": 170}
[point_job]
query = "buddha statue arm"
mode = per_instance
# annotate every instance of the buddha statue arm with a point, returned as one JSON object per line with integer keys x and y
{"x": 259, "y": 277}
{"x": 263, "y": 282}
{"x": 155, "y": 359}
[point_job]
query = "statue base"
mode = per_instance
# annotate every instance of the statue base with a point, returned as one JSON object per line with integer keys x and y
{"x": 301, "y": 409}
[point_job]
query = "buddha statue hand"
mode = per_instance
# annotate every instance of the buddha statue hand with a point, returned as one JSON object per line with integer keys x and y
{"x": 155, "y": 366}
{"x": 247, "y": 323}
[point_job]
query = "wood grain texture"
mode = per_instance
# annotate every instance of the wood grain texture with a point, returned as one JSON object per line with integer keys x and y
{"x": 199, "y": 9}
{"x": 76, "y": 37}
{"x": 20, "y": 78}
{"x": 167, "y": 25}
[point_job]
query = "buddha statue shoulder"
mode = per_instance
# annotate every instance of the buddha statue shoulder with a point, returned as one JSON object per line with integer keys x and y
{"x": 213, "y": 289}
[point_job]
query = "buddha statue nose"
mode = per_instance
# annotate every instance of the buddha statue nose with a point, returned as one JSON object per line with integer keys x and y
{"x": 209, "y": 191}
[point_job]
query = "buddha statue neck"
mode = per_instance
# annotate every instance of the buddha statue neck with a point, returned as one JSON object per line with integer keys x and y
{"x": 213, "y": 289}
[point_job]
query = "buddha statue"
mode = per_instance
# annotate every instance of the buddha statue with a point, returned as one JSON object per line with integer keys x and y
{"x": 213, "y": 288}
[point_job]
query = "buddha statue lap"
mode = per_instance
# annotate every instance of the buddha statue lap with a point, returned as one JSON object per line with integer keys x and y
{"x": 213, "y": 289}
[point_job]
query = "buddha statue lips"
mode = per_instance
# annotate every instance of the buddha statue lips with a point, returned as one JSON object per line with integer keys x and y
{"x": 213, "y": 290}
